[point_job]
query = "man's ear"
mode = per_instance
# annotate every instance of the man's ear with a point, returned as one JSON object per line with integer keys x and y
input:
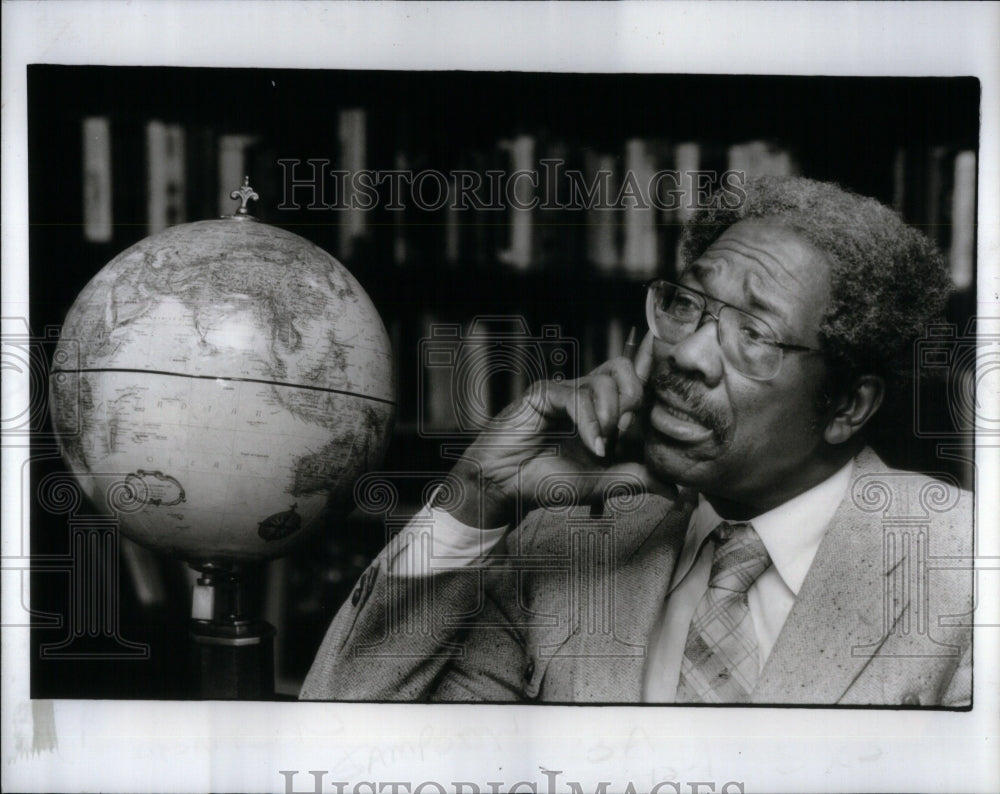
{"x": 854, "y": 408}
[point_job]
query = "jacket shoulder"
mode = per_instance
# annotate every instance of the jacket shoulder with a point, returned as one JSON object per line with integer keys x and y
{"x": 903, "y": 497}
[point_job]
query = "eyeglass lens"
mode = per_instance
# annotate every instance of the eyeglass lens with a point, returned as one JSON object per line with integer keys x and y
{"x": 748, "y": 343}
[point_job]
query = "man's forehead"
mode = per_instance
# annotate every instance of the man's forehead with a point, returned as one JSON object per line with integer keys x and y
{"x": 773, "y": 269}
{"x": 768, "y": 252}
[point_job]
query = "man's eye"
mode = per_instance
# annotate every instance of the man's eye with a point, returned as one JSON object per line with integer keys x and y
{"x": 684, "y": 304}
{"x": 752, "y": 333}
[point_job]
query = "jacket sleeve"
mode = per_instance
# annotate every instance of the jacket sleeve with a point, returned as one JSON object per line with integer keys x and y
{"x": 437, "y": 637}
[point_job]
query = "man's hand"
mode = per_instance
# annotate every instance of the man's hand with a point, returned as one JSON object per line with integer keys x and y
{"x": 504, "y": 467}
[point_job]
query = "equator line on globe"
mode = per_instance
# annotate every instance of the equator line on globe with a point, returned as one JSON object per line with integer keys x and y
{"x": 223, "y": 385}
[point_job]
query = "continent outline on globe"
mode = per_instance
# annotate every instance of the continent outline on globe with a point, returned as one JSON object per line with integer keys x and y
{"x": 237, "y": 360}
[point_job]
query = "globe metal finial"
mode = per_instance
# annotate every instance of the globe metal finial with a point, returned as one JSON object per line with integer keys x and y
{"x": 244, "y": 194}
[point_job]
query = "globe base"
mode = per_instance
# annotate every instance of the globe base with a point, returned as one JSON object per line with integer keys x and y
{"x": 231, "y": 656}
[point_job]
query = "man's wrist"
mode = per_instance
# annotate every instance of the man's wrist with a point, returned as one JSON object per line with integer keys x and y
{"x": 481, "y": 504}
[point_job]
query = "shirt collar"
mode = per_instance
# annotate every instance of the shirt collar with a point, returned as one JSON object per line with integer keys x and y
{"x": 791, "y": 532}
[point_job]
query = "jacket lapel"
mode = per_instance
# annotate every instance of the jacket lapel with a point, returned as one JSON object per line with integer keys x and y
{"x": 606, "y": 658}
{"x": 836, "y": 625}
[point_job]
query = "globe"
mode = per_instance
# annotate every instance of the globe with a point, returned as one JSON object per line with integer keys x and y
{"x": 219, "y": 386}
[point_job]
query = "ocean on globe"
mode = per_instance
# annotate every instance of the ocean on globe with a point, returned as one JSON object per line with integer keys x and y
{"x": 219, "y": 386}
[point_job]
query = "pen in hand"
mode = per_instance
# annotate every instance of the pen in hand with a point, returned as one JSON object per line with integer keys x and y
{"x": 631, "y": 346}
{"x": 630, "y": 350}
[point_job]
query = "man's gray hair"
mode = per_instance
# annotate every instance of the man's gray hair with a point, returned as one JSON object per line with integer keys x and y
{"x": 888, "y": 281}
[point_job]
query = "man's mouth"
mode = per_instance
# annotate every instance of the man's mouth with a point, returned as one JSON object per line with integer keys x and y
{"x": 671, "y": 417}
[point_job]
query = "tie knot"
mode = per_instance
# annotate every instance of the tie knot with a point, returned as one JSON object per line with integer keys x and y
{"x": 739, "y": 559}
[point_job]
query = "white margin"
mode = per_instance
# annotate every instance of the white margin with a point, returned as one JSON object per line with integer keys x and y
{"x": 172, "y": 746}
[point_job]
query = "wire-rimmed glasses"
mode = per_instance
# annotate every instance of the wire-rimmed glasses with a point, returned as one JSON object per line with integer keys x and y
{"x": 748, "y": 343}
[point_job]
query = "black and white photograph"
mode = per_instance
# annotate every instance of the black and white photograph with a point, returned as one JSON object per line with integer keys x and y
{"x": 435, "y": 420}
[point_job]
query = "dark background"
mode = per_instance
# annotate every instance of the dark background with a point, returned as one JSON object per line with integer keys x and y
{"x": 855, "y": 131}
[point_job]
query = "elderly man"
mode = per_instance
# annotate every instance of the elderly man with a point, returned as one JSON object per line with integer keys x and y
{"x": 760, "y": 553}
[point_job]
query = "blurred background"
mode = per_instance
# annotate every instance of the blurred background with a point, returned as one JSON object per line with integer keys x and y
{"x": 116, "y": 154}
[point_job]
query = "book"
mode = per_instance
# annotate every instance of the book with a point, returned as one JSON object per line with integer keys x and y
{"x": 232, "y": 168}
{"x": 615, "y": 338}
{"x": 938, "y": 186}
{"x": 687, "y": 161}
{"x": 761, "y": 158}
{"x": 640, "y": 255}
{"x": 97, "y": 183}
{"x": 962, "y": 252}
{"x": 351, "y": 131}
{"x": 521, "y": 196}
{"x": 556, "y": 221}
{"x": 165, "y": 176}
{"x": 600, "y": 176}
{"x": 438, "y": 349}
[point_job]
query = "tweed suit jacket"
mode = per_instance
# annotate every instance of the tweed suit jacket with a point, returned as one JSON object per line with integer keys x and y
{"x": 563, "y": 609}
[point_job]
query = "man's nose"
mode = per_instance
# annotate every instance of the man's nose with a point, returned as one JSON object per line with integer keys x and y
{"x": 699, "y": 355}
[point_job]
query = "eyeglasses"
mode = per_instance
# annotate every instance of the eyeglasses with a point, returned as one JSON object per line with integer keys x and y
{"x": 748, "y": 343}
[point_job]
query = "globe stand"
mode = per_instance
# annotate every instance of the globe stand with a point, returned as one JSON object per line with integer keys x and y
{"x": 256, "y": 280}
{"x": 231, "y": 655}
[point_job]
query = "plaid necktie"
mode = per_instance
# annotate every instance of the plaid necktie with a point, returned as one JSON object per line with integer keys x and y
{"x": 720, "y": 662}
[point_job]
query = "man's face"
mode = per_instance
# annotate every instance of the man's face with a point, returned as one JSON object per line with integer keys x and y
{"x": 747, "y": 442}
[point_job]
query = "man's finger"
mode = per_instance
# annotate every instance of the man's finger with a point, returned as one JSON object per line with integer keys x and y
{"x": 605, "y": 395}
{"x": 580, "y": 408}
{"x": 644, "y": 358}
{"x": 629, "y": 387}
{"x": 642, "y": 366}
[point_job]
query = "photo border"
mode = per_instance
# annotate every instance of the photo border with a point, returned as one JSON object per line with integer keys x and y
{"x": 196, "y": 746}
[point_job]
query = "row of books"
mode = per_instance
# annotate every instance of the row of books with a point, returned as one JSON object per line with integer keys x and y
{"x": 934, "y": 189}
{"x": 523, "y": 203}
{"x": 527, "y": 202}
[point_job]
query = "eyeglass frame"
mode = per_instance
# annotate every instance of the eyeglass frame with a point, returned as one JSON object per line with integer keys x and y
{"x": 708, "y": 299}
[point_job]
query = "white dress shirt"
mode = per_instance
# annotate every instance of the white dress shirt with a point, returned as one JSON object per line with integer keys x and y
{"x": 791, "y": 533}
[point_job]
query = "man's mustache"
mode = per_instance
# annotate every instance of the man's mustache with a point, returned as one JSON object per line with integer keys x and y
{"x": 694, "y": 396}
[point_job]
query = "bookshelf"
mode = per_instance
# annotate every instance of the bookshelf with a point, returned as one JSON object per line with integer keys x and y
{"x": 117, "y": 153}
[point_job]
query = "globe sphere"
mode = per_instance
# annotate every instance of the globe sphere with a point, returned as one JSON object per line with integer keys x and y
{"x": 219, "y": 387}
